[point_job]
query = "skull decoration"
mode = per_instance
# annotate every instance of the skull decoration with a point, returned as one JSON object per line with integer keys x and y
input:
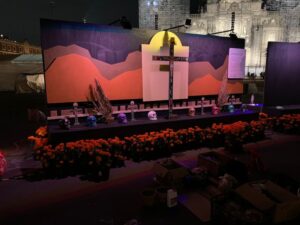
{"x": 215, "y": 110}
{"x": 244, "y": 108}
{"x": 122, "y": 118}
{"x": 91, "y": 121}
{"x": 152, "y": 115}
{"x": 231, "y": 108}
{"x": 192, "y": 111}
{"x": 65, "y": 123}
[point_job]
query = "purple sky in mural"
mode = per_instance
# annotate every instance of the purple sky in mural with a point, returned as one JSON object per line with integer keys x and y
{"x": 112, "y": 45}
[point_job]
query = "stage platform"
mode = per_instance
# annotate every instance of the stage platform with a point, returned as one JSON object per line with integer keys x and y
{"x": 142, "y": 125}
{"x": 280, "y": 110}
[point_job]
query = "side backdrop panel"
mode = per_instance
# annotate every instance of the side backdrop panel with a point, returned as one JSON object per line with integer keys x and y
{"x": 282, "y": 78}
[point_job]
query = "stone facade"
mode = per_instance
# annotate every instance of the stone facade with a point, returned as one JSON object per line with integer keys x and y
{"x": 9, "y": 47}
{"x": 258, "y": 22}
{"x": 169, "y": 13}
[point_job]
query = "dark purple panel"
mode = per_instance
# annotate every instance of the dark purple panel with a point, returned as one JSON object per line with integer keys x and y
{"x": 282, "y": 81}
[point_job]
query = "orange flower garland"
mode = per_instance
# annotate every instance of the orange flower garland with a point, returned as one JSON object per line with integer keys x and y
{"x": 113, "y": 151}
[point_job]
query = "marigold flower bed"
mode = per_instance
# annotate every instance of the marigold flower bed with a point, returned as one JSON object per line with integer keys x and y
{"x": 94, "y": 155}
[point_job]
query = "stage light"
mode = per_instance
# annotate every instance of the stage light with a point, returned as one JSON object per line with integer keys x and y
{"x": 187, "y": 23}
{"x": 233, "y": 36}
{"x": 125, "y": 23}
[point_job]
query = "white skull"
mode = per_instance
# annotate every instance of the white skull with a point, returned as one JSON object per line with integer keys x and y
{"x": 192, "y": 111}
{"x": 152, "y": 115}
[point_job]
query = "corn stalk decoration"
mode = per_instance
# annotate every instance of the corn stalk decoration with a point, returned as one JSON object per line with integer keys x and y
{"x": 100, "y": 102}
{"x": 223, "y": 96}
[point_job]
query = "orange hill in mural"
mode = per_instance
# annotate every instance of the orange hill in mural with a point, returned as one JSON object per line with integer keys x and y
{"x": 200, "y": 69}
{"x": 68, "y": 79}
{"x": 204, "y": 79}
{"x": 212, "y": 86}
{"x": 109, "y": 71}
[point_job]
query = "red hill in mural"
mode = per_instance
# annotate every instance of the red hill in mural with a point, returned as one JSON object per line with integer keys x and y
{"x": 201, "y": 69}
{"x": 109, "y": 71}
{"x": 204, "y": 79}
{"x": 68, "y": 79}
{"x": 212, "y": 86}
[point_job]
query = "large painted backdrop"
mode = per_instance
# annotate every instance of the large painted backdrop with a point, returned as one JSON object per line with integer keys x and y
{"x": 75, "y": 54}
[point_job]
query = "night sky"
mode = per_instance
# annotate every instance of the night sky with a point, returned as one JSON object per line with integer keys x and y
{"x": 19, "y": 19}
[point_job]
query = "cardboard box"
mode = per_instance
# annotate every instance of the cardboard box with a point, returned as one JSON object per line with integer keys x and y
{"x": 271, "y": 199}
{"x": 170, "y": 172}
{"x": 214, "y": 162}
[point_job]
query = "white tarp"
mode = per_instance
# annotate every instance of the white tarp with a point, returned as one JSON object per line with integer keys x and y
{"x": 29, "y": 83}
{"x": 12, "y": 67}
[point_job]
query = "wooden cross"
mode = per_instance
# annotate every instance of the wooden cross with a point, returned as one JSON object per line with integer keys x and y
{"x": 171, "y": 58}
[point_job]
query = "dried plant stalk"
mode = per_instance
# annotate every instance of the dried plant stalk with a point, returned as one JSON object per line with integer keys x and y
{"x": 100, "y": 102}
{"x": 223, "y": 96}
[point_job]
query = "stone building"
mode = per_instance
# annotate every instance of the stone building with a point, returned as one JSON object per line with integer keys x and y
{"x": 257, "y": 21}
{"x": 162, "y": 14}
{"x": 9, "y": 47}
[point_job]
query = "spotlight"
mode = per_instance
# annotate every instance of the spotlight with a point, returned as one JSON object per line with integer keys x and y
{"x": 233, "y": 36}
{"x": 188, "y": 22}
{"x": 123, "y": 21}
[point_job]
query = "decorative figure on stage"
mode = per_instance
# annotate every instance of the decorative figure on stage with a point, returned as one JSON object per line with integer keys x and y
{"x": 75, "y": 110}
{"x": 222, "y": 95}
{"x": 122, "y": 118}
{"x": 152, "y": 115}
{"x": 215, "y": 109}
{"x": 202, "y": 104}
{"x": 231, "y": 106}
{"x": 3, "y": 165}
{"x": 65, "y": 123}
{"x": 192, "y": 111}
{"x": 252, "y": 99}
{"x": 91, "y": 121}
{"x": 243, "y": 108}
{"x": 100, "y": 102}
{"x": 132, "y": 107}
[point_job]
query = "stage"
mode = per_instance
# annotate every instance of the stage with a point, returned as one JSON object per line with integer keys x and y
{"x": 142, "y": 125}
{"x": 280, "y": 110}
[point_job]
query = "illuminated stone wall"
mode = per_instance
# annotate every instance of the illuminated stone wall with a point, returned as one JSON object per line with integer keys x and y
{"x": 10, "y": 47}
{"x": 255, "y": 24}
{"x": 170, "y": 13}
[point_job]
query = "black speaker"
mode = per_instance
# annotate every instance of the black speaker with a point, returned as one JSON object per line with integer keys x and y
{"x": 188, "y": 22}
